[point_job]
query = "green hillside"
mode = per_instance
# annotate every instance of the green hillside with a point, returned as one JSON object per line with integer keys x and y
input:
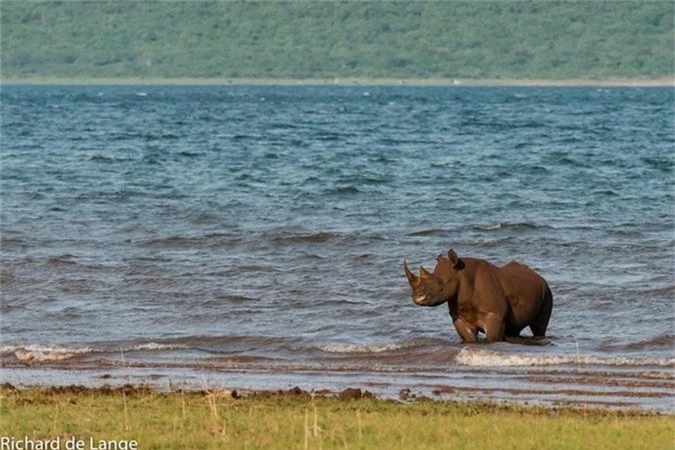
{"x": 316, "y": 39}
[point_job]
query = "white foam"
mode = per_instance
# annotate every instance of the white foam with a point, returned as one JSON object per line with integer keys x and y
{"x": 338, "y": 348}
{"x": 47, "y": 353}
{"x": 489, "y": 358}
{"x": 42, "y": 353}
{"x": 153, "y": 346}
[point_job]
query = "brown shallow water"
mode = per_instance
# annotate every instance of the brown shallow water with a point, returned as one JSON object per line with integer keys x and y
{"x": 398, "y": 376}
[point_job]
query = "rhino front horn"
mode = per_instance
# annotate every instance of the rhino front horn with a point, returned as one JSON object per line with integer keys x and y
{"x": 411, "y": 276}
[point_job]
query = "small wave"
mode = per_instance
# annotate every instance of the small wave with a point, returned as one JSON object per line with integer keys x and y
{"x": 329, "y": 136}
{"x": 210, "y": 240}
{"x": 517, "y": 226}
{"x": 153, "y": 346}
{"x": 663, "y": 164}
{"x": 428, "y": 232}
{"x": 35, "y": 353}
{"x": 63, "y": 260}
{"x": 171, "y": 241}
{"x": 489, "y": 358}
{"x": 42, "y": 354}
{"x": 356, "y": 348}
{"x": 426, "y": 344}
{"x": 310, "y": 238}
{"x": 664, "y": 341}
{"x": 344, "y": 190}
{"x": 229, "y": 344}
{"x": 293, "y": 237}
{"x": 159, "y": 136}
{"x": 234, "y": 298}
{"x": 6, "y": 241}
{"x": 109, "y": 158}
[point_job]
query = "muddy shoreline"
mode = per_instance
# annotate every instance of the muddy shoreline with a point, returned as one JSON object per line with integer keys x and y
{"x": 345, "y": 395}
{"x": 552, "y": 388}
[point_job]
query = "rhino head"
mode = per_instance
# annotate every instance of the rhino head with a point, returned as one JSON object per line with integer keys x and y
{"x": 433, "y": 289}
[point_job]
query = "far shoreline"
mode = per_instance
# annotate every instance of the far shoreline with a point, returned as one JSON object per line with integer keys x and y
{"x": 342, "y": 81}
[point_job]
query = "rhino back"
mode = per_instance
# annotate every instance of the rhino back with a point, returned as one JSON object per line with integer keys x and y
{"x": 524, "y": 289}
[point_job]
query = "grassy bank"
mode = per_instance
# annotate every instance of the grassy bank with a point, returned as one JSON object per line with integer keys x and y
{"x": 296, "y": 420}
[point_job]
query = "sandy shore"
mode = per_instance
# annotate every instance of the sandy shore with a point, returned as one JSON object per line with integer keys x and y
{"x": 347, "y": 81}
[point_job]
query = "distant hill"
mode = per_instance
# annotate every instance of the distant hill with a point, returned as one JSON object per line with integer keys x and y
{"x": 316, "y": 39}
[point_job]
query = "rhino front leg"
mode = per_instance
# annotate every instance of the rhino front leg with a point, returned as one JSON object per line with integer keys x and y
{"x": 467, "y": 332}
{"x": 494, "y": 327}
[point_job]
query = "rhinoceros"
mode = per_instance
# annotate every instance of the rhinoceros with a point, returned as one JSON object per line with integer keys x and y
{"x": 498, "y": 301}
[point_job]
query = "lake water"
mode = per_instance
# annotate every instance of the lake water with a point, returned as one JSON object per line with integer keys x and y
{"x": 253, "y": 237}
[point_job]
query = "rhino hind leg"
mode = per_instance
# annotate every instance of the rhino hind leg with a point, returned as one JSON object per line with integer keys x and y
{"x": 540, "y": 323}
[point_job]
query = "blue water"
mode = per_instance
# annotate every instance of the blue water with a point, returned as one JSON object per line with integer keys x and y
{"x": 267, "y": 226}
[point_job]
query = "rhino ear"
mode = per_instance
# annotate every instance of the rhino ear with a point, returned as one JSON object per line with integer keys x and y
{"x": 452, "y": 256}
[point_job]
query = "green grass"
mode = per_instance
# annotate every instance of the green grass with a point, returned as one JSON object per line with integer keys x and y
{"x": 213, "y": 420}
